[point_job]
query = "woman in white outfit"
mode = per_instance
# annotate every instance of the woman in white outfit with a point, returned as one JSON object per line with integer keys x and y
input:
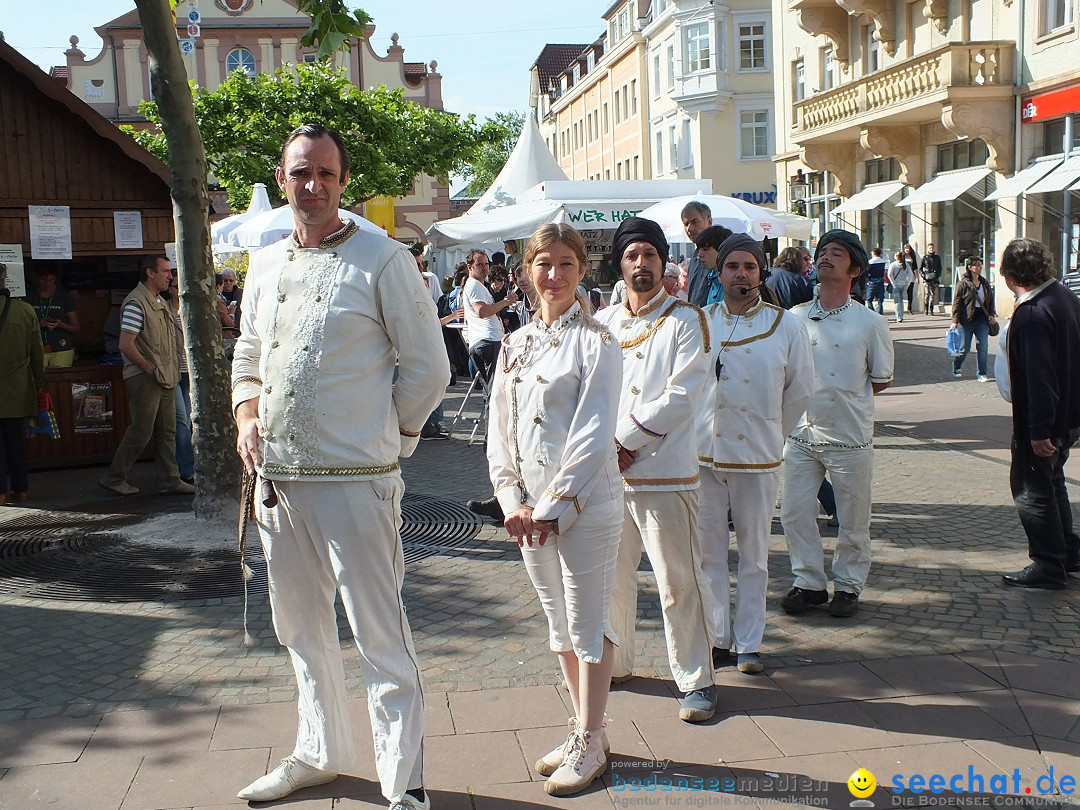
{"x": 555, "y": 472}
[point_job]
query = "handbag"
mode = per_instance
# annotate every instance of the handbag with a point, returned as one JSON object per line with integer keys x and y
{"x": 45, "y": 422}
{"x": 954, "y": 341}
{"x": 994, "y": 327}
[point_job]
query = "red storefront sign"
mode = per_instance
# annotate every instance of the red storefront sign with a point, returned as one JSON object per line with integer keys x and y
{"x": 1050, "y": 105}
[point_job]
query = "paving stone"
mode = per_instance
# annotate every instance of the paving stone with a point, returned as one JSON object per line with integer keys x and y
{"x": 189, "y": 780}
{"x": 97, "y": 785}
{"x": 43, "y": 742}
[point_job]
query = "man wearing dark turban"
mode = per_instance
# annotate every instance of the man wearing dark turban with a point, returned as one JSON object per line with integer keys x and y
{"x": 665, "y": 345}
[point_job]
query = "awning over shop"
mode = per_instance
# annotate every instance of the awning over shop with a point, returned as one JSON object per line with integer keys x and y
{"x": 1061, "y": 178}
{"x": 869, "y": 198}
{"x": 946, "y": 186}
{"x": 1023, "y": 180}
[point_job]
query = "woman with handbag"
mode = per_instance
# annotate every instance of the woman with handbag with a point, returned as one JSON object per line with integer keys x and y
{"x": 22, "y": 375}
{"x": 898, "y": 278}
{"x": 973, "y": 311}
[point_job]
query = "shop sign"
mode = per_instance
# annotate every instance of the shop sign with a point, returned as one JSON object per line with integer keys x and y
{"x": 12, "y": 257}
{"x": 1054, "y": 104}
{"x": 757, "y": 197}
{"x": 50, "y": 231}
{"x": 93, "y": 407}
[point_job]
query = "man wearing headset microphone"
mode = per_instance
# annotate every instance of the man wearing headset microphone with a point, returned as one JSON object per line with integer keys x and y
{"x": 761, "y": 381}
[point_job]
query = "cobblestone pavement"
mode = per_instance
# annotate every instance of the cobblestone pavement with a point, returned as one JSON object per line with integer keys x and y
{"x": 944, "y": 530}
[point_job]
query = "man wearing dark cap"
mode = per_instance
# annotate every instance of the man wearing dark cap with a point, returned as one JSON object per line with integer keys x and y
{"x": 665, "y": 345}
{"x": 853, "y": 360}
{"x": 759, "y": 387}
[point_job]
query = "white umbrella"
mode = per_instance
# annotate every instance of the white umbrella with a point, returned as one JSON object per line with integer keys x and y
{"x": 731, "y": 212}
{"x": 272, "y": 226}
{"x": 220, "y": 230}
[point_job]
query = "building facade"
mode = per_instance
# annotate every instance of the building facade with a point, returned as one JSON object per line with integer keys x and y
{"x": 673, "y": 89}
{"x": 254, "y": 37}
{"x": 905, "y": 122}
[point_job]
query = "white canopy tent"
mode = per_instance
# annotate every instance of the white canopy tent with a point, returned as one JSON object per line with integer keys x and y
{"x": 731, "y": 212}
{"x": 585, "y": 204}
{"x": 220, "y": 230}
{"x": 274, "y": 225}
{"x": 529, "y": 163}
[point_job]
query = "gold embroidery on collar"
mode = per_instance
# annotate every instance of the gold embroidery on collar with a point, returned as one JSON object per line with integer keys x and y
{"x": 335, "y": 239}
{"x": 754, "y": 338}
{"x": 703, "y": 322}
{"x": 652, "y": 306}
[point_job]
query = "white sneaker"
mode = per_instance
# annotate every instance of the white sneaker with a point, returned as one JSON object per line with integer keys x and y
{"x": 550, "y": 762}
{"x": 285, "y": 779}
{"x": 585, "y": 760}
{"x": 408, "y": 802}
{"x": 982, "y": 378}
{"x": 958, "y": 374}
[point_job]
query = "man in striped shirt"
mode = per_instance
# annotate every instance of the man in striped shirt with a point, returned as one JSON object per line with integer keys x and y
{"x": 151, "y": 373}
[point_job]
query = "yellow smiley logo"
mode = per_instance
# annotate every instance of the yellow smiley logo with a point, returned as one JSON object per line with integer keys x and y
{"x": 861, "y": 783}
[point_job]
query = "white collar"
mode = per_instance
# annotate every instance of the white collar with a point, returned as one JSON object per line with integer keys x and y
{"x": 1027, "y": 296}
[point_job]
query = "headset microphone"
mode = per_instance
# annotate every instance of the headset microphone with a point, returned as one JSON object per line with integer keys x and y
{"x": 746, "y": 290}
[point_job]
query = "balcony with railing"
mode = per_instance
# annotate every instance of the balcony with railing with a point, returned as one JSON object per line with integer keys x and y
{"x": 912, "y": 92}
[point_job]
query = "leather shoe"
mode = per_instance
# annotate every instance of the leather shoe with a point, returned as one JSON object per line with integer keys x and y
{"x": 721, "y": 657}
{"x": 287, "y": 778}
{"x": 844, "y": 604}
{"x": 488, "y": 508}
{"x": 1033, "y": 577}
{"x": 799, "y": 600}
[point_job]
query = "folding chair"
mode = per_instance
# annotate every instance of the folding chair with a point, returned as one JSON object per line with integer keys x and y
{"x": 479, "y": 385}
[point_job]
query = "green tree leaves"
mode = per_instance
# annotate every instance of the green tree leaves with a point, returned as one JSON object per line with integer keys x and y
{"x": 391, "y": 140}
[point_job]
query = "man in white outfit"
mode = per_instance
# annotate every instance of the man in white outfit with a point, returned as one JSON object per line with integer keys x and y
{"x": 328, "y": 313}
{"x": 665, "y": 345}
{"x": 853, "y": 361}
{"x": 763, "y": 374}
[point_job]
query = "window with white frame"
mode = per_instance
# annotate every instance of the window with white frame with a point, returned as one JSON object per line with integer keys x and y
{"x": 613, "y": 32}
{"x": 754, "y": 134}
{"x": 687, "y": 144}
{"x": 660, "y": 7}
{"x": 1056, "y": 14}
{"x": 798, "y": 79}
{"x": 618, "y": 171}
{"x": 659, "y": 152}
{"x": 577, "y": 72}
{"x": 240, "y": 59}
{"x": 673, "y": 143}
{"x": 698, "y": 47}
{"x": 872, "y": 63}
{"x": 618, "y": 109}
{"x": 625, "y": 104}
{"x": 590, "y": 61}
{"x": 565, "y": 82}
{"x": 671, "y": 67}
{"x": 656, "y": 76}
{"x": 752, "y": 46}
{"x": 637, "y": 168}
{"x": 633, "y": 96}
{"x": 828, "y": 69}
{"x": 624, "y": 22}
{"x": 607, "y": 123}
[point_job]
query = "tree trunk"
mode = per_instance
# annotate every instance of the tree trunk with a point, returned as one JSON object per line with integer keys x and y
{"x": 217, "y": 465}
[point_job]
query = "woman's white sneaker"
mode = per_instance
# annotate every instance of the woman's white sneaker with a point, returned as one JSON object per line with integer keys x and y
{"x": 584, "y": 761}
{"x": 549, "y": 763}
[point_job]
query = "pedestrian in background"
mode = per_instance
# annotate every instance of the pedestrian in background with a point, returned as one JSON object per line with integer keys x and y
{"x": 974, "y": 311}
{"x": 22, "y": 375}
{"x": 898, "y": 278}
{"x": 1043, "y": 346}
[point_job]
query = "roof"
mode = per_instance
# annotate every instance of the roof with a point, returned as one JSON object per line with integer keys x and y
{"x": 414, "y": 72}
{"x": 554, "y": 59}
{"x": 58, "y": 92}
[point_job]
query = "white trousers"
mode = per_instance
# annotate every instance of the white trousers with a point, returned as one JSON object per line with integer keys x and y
{"x": 329, "y": 536}
{"x": 851, "y": 473}
{"x": 751, "y": 497}
{"x": 665, "y": 525}
{"x": 573, "y": 575}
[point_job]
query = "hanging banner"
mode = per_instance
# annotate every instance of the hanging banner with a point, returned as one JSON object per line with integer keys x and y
{"x": 127, "y": 228}
{"x": 380, "y": 210}
{"x": 11, "y": 256}
{"x": 50, "y": 231}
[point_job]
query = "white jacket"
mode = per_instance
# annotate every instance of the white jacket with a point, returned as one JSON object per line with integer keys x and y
{"x": 323, "y": 329}
{"x": 665, "y": 360}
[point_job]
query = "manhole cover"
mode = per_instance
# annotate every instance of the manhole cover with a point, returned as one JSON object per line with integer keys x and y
{"x": 38, "y": 560}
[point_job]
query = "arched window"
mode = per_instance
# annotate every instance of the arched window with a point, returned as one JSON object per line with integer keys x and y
{"x": 240, "y": 59}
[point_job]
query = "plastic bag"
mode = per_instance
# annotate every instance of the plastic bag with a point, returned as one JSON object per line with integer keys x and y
{"x": 954, "y": 341}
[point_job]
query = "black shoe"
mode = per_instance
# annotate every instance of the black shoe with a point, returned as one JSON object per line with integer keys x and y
{"x": 488, "y": 508}
{"x": 799, "y": 599}
{"x": 1072, "y": 567}
{"x": 1033, "y": 577}
{"x": 721, "y": 657}
{"x": 844, "y": 604}
{"x": 430, "y": 435}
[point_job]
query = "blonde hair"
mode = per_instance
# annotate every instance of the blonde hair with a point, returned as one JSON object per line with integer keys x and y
{"x": 547, "y": 235}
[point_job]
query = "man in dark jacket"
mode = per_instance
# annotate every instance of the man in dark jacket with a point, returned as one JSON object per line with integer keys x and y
{"x": 930, "y": 270}
{"x": 1043, "y": 345}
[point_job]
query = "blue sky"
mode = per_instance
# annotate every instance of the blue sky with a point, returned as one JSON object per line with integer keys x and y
{"x": 484, "y": 48}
